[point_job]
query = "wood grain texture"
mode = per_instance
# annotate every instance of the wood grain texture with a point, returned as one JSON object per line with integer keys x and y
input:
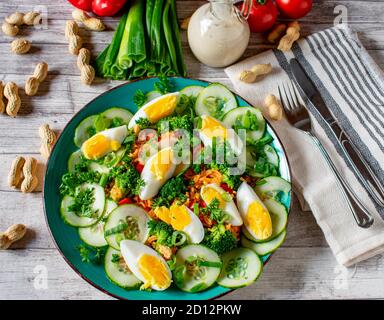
{"x": 304, "y": 268}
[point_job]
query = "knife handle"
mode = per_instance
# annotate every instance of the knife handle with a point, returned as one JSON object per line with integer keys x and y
{"x": 360, "y": 167}
{"x": 361, "y": 214}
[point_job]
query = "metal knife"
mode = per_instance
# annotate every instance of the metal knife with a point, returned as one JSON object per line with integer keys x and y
{"x": 355, "y": 159}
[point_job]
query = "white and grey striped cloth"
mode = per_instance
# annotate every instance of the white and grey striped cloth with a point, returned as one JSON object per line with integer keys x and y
{"x": 352, "y": 86}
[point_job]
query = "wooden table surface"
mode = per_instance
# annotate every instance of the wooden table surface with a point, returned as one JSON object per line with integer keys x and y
{"x": 304, "y": 268}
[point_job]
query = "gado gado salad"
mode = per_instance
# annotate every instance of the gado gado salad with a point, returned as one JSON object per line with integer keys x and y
{"x": 186, "y": 191}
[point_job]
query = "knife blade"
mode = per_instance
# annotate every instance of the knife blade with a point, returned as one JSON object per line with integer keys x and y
{"x": 353, "y": 156}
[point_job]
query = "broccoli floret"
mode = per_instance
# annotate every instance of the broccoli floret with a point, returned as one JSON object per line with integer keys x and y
{"x": 173, "y": 123}
{"x": 174, "y": 188}
{"x": 219, "y": 239}
{"x": 162, "y": 231}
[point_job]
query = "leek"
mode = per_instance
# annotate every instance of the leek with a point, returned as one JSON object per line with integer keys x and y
{"x": 114, "y": 47}
{"x": 168, "y": 35}
{"x": 177, "y": 38}
{"x": 132, "y": 48}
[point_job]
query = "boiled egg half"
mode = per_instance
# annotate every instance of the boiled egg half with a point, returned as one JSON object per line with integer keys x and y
{"x": 181, "y": 218}
{"x": 146, "y": 265}
{"x": 104, "y": 142}
{"x": 157, "y": 170}
{"x": 256, "y": 217}
{"x": 156, "y": 109}
{"x": 212, "y": 191}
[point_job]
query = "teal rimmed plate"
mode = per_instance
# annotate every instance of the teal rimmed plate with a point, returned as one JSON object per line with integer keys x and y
{"x": 67, "y": 239}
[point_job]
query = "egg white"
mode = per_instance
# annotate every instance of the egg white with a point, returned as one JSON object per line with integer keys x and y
{"x": 113, "y": 134}
{"x": 230, "y": 207}
{"x": 132, "y": 250}
{"x": 141, "y": 112}
{"x": 194, "y": 230}
{"x": 151, "y": 184}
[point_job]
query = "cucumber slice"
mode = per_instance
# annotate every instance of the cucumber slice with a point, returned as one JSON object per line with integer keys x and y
{"x": 192, "y": 91}
{"x": 97, "y": 167}
{"x": 279, "y": 217}
{"x": 94, "y": 235}
{"x": 250, "y": 158}
{"x": 118, "y": 272}
{"x": 271, "y": 154}
{"x": 215, "y": 100}
{"x": 114, "y": 158}
{"x": 264, "y": 248}
{"x": 152, "y": 95}
{"x": 126, "y": 222}
{"x": 197, "y": 278}
{"x": 270, "y": 186}
{"x": 73, "y": 160}
{"x": 98, "y": 205}
{"x": 241, "y": 267}
{"x": 85, "y": 130}
{"x": 240, "y": 116}
{"x": 123, "y": 114}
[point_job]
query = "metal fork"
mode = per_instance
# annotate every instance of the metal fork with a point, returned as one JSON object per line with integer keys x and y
{"x": 298, "y": 115}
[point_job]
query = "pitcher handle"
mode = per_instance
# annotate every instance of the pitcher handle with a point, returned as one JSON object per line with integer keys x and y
{"x": 246, "y": 8}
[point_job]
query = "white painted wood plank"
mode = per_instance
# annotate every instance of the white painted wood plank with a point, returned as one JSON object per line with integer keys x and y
{"x": 292, "y": 273}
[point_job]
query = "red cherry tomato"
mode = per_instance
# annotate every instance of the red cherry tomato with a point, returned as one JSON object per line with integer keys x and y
{"x": 125, "y": 201}
{"x": 85, "y": 5}
{"x": 226, "y": 187}
{"x": 294, "y": 9}
{"x": 139, "y": 167}
{"x": 262, "y": 15}
{"x": 99, "y": 7}
{"x": 107, "y": 8}
{"x": 202, "y": 204}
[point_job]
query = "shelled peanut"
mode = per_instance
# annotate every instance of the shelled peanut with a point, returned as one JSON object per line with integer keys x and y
{"x": 16, "y": 172}
{"x": 10, "y": 29}
{"x": 73, "y": 38}
{"x": 39, "y": 75}
{"x": 250, "y": 76}
{"x": 48, "y": 139}
{"x": 20, "y": 46}
{"x": 291, "y": 36}
{"x": 275, "y": 109}
{"x": 30, "y": 181}
{"x": 14, "y": 233}
{"x": 11, "y": 92}
{"x": 90, "y": 23}
{"x": 87, "y": 72}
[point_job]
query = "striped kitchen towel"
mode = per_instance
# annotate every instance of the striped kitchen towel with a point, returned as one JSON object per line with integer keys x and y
{"x": 352, "y": 85}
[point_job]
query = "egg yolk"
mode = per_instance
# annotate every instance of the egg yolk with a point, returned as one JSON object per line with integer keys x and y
{"x": 161, "y": 108}
{"x": 154, "y": 271}
{"x": 177, "y": 216}
{"x": 210, "y": 127}
{"x": 162, "y": 163}
{"x": 163, "y": 213}
{"x": 258, "y": 220}
{"x": 98, "y": 146}
{"x": 209, "y": 194}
